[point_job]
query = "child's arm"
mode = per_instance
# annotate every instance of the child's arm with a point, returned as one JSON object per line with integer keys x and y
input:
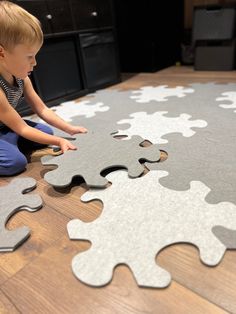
{"x": 13, "y": 120}
{"x": 45, "y": 113}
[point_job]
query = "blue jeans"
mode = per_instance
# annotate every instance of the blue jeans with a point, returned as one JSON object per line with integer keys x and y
{"x": 12, "y": 160}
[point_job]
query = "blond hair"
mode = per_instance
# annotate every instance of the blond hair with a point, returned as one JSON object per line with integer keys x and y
{"x": 17, "y": 26}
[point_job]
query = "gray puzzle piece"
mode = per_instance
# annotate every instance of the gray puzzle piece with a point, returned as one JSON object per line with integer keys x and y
{"x": 207, "y": 156}
{"x": 133, "y": 229}
{"x": 121, "y": 103}
{"x": 12, "y": 200}
{"x": 97, "y": 152}
{"x": 226, "y": 236}
{"x": 198, "y": 104}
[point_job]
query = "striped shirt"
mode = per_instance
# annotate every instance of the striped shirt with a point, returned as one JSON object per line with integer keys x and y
{"x": 14, "y": 93}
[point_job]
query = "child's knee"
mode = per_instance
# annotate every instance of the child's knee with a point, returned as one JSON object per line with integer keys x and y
{"x": 46, "y": 129}
{"x": 14, "y": 165}
{"x": 50, "y": 131}
{"x": 19, "y": 164}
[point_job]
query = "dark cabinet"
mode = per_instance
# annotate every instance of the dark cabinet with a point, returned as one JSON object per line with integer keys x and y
{"x": 59, "y": 13}
{"x": 79, "y": 54}
{"x": 39, "y": 9}
{"x": 58, "y": 72}
{"x": 91, "y": 14}
{"x": 98, "y": 54}
{"x": 54, "y": 15}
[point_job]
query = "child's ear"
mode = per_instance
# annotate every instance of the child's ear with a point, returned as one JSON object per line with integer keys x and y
{"x": 2, "y": 52}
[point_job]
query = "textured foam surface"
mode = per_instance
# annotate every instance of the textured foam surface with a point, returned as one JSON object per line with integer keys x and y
{"x": 13, "y": 198}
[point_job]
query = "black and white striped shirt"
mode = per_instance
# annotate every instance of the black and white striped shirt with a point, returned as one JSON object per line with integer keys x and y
{"x": 14, "y": 93}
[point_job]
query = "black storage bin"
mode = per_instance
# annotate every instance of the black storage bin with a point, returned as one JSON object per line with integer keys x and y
{"x": 58, "y": 62}
{"x": 213, "y": 38}
{"x": 99, "y": 58}
{"x": 213, "y": 23}
{"x": 215, "y": 57}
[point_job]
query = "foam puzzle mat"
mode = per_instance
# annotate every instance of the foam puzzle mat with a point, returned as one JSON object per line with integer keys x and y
{"x": 13, "y": 198}
{"x": 196, "y": 126}
{"x": 97, "y": 152}
{"x": 133, "y": 229}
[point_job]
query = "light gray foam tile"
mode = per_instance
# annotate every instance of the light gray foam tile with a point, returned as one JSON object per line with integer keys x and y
{"x": 226, "y": 236}
{"x": 196, "y": 100}
{"x": 101, "y": 110}
{"x": 175, "y": 100}
{"x": 204, "y": 152}
{"x": 154, "y": 126}
{"x": 69, "y": 109}
{"x": 119, "y": 102}
{"x": 96, "y": 124}
{"x": 201, "y": 157}
{"x": 73, "y": 108}
{"x": 199, "y": 104}
{"x": 159, "y": 93}
{"x": 12, "y": 200}
{"x": 140, "y": 217}
{"x": 208, "y": 155}
{"x": 122, "y": 103}
{"x": 227, "y": 100}
{"x": 97, "y": 152}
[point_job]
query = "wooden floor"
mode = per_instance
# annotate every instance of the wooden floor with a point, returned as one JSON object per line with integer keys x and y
{"x": 37, "y": 277}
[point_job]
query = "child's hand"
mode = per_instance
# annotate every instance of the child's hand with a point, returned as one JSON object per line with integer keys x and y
{"x": 66, "y": 145}
{"x": 76, "y": 129}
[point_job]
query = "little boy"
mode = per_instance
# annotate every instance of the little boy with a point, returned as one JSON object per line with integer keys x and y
{"x": 21, "y": 38}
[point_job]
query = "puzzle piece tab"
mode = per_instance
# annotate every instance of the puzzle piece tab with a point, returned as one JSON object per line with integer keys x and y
{"x": 139, "y": 219}
{"x": 12, "y": 200}
{"x": 226, "y": 236}
{"x": 97, "y": 152}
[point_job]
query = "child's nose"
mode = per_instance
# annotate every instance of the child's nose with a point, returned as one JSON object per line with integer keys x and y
{"x": 34, "y": 62}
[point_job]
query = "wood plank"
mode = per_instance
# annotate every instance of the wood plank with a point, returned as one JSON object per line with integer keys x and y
{"x": 6, "y": 307}
{"x": 46, "y": 226}
{"x": 48, "y": 286}
{"x": 217, "y": 284}
{"x": 67, "y": 201}
{"x": 176, "y": 76}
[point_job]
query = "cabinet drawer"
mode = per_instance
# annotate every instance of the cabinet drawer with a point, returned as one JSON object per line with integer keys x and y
{"x": 57, "y": 73}
{"x": 54, "y": 15}
{"x": 99, "y": 59}
{"x": 90, "y": 14}
{"x": 39, "y": 9}
{"x": 60, "y": 13}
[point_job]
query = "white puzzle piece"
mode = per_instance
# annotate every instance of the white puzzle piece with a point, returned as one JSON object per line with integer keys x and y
{"x": 229, "y": 98}
{"x": 159, "y": 93}
{"x": 139, "y": 219}
{"x": 154, "y": 126}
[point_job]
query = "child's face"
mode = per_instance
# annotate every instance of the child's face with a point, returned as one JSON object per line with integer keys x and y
{"x": 20, "y": 61}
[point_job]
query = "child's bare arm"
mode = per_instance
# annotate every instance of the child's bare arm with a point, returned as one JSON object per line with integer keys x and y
{"x": 13, "y": 120}
{"x": 45, "y": 113}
